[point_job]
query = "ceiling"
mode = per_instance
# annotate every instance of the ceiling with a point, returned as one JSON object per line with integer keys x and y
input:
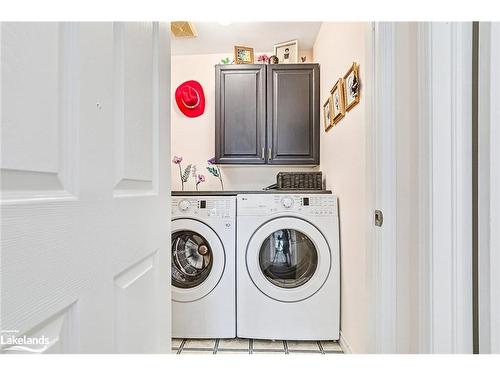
{"x": 215, "y": 37}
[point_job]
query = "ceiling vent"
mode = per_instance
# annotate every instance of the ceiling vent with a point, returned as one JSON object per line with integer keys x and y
{"x": 183, "y": 29}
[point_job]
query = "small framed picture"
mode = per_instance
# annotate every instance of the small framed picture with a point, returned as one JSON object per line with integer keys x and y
{"x": 243, "y": 55}
{"x": 338, "y": 103}
{"x": 327, "y": 111}
{"x": 287, "y": 52}
{"x": 352, "y": 87}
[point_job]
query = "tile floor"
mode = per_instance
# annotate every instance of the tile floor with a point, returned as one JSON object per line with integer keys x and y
{"x": 252, "y": 346}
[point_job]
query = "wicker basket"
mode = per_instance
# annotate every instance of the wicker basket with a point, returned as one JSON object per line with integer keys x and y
{"x": 300, "y": 181}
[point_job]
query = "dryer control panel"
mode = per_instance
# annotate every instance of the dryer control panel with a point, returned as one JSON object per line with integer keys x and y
{"x": 268, "y": 204}
{"x": 204, "y": 207}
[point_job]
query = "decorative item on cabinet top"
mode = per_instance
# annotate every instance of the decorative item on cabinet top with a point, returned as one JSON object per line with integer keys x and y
{"x": 243, "y": 55}
{"x": 263, "y": 59}
{"x": 287, "y": 52}
{"x": 274, "y": 59}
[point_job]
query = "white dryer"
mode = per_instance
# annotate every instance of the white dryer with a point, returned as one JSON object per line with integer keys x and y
{"x": 203, "y": 266}
{"x": 288, "y": 270}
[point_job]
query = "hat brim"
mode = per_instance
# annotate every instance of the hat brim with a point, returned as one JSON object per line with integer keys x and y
{"x": 190, "y": 112}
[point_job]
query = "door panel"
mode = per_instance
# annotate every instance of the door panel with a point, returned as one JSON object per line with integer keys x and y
{"x": 39, "y": 108}
{"x": 135, "y": 105}
{"x": 240, "y": 130}
{"x": 136, "y": 306}
{"x": 293, "y": 113}
{"x": 68, "y": 239}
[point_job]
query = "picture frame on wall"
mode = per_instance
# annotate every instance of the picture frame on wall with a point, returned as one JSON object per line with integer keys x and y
{"x": 338, "y": 101}
{"x": 243, "y": 55}
{"x": 287, "y": 52}
{"x": 327, "y": 113}
{"x": 352, "y": 86}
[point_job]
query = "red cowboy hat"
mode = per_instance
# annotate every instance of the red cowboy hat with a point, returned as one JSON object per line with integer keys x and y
{"x": 190, "y": 98}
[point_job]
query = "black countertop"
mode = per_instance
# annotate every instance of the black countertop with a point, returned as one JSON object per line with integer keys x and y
{"x": 236, "y": 192}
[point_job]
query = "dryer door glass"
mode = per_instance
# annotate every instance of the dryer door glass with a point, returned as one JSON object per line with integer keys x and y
{"x": 191, "y": 259}
{"x": 288, "y": 258}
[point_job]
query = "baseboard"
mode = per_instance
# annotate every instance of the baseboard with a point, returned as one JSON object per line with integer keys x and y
{"x": 346, "y": 348}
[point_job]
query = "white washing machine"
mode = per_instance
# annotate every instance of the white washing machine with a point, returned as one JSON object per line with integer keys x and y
{"x": 288, "y": 272}
{"x": 203, "y": 266}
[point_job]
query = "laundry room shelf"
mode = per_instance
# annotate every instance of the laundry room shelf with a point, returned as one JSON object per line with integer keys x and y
{"x": 237, "y": 192}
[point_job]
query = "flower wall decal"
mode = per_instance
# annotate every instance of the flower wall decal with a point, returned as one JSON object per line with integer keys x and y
{"x": 199, "y": 179}
{"x": 191, "y": 170}
{"x": 215, "y": 171}
{"x": 184, "y": 175}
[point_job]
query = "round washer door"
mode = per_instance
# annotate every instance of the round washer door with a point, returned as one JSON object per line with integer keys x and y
{"x": 288, "y": 259}
{"x": 198, "y": 260}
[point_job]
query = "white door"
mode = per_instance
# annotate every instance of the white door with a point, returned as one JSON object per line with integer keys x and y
{"x": 85, "y": 216}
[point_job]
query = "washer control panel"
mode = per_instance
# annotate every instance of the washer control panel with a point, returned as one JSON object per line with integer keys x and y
{"x": 268, "y": 204}
{"x": 205, "y": 207}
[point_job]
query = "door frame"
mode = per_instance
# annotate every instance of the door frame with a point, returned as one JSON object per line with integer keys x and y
{"x": 489, "y": 188}
{"x": 444, "y": 185}
{"x": 381, "y": 166}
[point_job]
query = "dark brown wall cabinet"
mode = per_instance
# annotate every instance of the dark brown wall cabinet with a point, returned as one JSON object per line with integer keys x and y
{"x": 267, "y": 114}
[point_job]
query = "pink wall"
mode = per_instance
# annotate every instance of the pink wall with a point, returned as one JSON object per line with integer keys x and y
{"x": 343, "y": 161}
{"x": 194, "y": 138}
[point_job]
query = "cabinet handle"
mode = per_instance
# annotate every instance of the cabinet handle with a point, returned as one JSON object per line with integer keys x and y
{"x": 270, "y": 155}
{"x": 262, "y": 154}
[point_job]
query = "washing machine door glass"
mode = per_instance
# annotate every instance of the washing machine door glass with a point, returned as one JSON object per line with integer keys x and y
{"x": 288, "y": 258}
{"x": 198, "y": 260}
{"x": 191, "y": 259}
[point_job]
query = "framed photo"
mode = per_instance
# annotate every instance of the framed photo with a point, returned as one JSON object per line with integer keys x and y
{"x": 352, "y": 87}
{"x": 327, "y": 111}
{"x": 338, "y": 103}
{"x": 243, "y": 55}
{"x": 287, "y": 52}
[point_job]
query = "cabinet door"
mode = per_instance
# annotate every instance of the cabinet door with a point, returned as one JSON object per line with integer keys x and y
{"x": 240, "y": 114}
{"x": 293, "y": 114}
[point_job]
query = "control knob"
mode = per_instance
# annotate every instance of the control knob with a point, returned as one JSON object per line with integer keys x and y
{"x": 287, "y": 202}
{"x": 184, "y": 205}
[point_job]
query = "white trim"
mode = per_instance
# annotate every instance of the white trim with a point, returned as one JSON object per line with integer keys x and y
{"x": 489, "y": 188}
{"x": 425, "y": 192}
{"x": 495, "y": 188}
{"x": 445, "y": 243}
{"x": 382, "y": 172}
{"x": 370, "y": 121}
{"x": 344, "y": 344}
